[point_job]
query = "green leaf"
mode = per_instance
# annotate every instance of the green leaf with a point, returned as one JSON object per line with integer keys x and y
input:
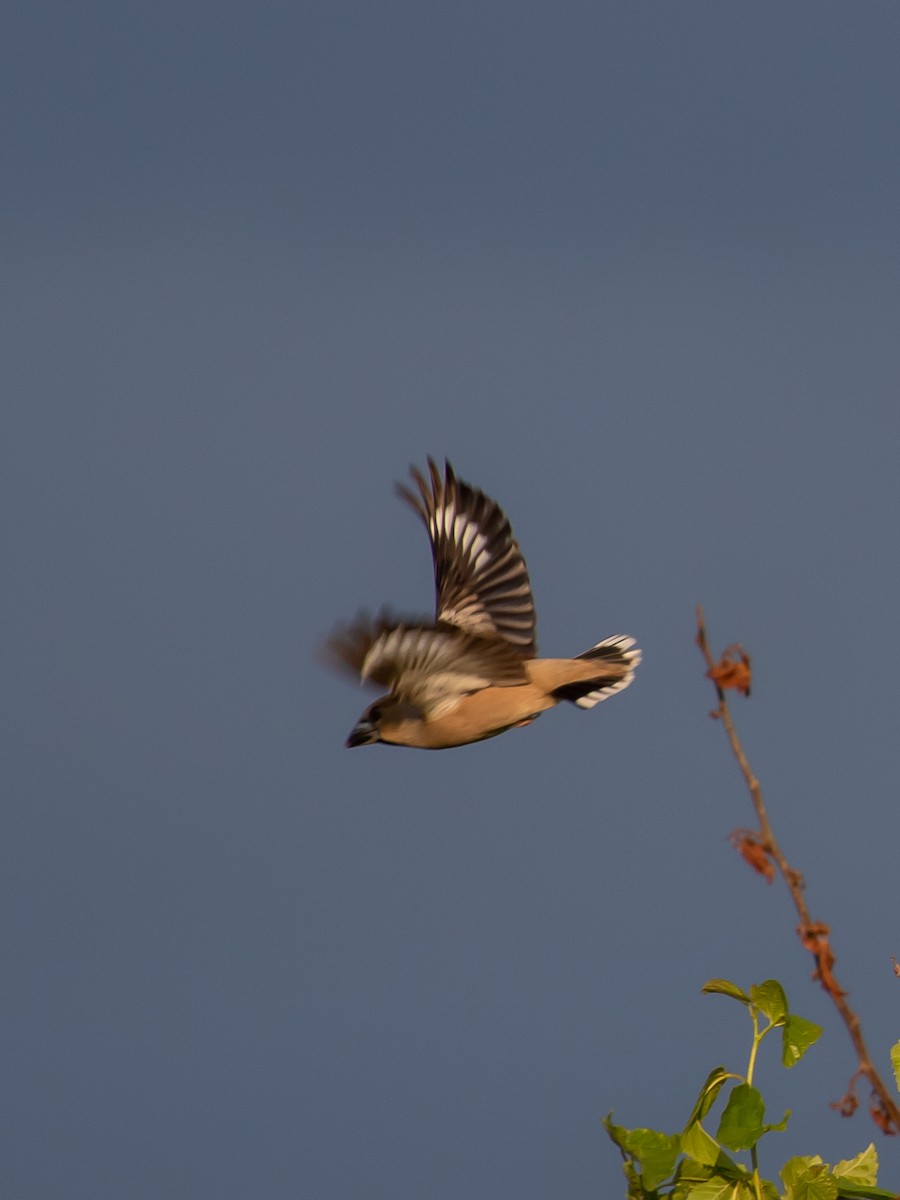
{"x": 737, "y": 1179}
{"x": 849, "y": 1191}
{"x": 724, "y": 987}
{"x": 895, "y": 1063}
{"x": 861, "y": 1170}
{"x": 852, "y": 1192}
{"x": 691, "y": 1172}
{"x": 657, "y": 1154}
{"x": 808, "y": 1179}
{"x": 654, "y": 1153}
{"x": 708, "y": 1094}
{"x": 770, "y": 999}
{"x": 721, "y": 1189}
{"x": 796, "y": 1038}
{"x": 617, "y": 1133}
{"x": 780, "y": 1126}
{"x": 742, "y": 1121}
{"x": 696, "y": 1142}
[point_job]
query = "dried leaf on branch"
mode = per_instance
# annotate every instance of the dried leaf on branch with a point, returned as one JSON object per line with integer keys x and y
{"x": 753, "y": 851}
{"x": 732, "y": 670}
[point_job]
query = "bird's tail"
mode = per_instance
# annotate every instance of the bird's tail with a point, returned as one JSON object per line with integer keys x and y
{"x": 614, "y": 654}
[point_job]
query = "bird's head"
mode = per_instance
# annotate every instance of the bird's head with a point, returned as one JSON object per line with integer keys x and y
{"x": 389, "y": 720}
{"x": 367, "y": 729}
{"x": 376, "y": 723}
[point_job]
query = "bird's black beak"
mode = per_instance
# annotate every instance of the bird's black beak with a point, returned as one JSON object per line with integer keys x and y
{"x": 363, "y": 733}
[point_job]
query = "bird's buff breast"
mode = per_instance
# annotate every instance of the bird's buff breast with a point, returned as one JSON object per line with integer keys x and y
{"x": 482, "y": 715}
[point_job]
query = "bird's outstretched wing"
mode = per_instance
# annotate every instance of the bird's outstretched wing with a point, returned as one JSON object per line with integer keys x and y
{"x": 480, "y": 575}
{"x": 429, "y": 666}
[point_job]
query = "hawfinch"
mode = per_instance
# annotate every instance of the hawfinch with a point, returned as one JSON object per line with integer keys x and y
{"x": 473, "y": 672}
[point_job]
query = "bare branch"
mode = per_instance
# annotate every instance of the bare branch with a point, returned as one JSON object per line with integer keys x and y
{"x": 815, "y": 936}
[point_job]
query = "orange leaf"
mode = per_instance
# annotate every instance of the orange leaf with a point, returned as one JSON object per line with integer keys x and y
{"x": 847, "y": 1105}
{"x": 732, "y": 670}
{"x": 815, "y": 940}
{"x": 753, "y": 852}
{"x": 881, "y": 1117}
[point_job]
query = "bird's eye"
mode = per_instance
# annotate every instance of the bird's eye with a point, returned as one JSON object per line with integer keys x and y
{"x": 375, "y": 713}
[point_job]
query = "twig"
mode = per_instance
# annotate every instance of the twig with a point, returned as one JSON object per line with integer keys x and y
{"x": 813, "y": 934}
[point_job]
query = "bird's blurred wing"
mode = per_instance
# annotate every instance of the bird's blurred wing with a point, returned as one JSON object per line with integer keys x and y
{"x": 429, "y": 666}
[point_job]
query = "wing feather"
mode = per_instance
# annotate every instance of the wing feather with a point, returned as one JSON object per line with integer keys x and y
{"x": 480, "y": 576}
{"x": 429, "y": 666}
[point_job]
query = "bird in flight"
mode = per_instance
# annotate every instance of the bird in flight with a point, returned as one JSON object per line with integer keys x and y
{"x": 473, "y": 672}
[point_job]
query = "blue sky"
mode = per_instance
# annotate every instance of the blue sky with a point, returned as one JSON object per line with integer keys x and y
{"x": 634, "y": 269}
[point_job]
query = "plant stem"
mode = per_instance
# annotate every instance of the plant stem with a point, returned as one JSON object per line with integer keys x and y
{"x": 813, "y": 934}
{"x": 757, "y": 1038}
